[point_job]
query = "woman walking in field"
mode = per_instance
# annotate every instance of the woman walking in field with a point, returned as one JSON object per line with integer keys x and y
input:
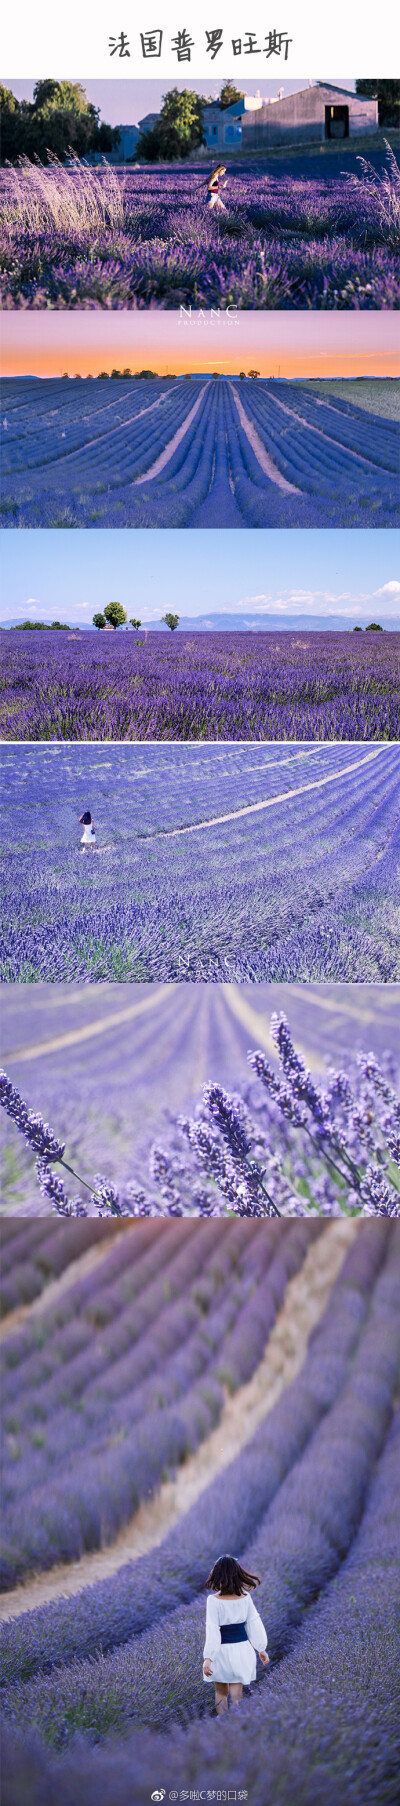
{"x": 88, "y": 838}
{"x": 234, "y": 1632}
{"x": 214, "y": 185}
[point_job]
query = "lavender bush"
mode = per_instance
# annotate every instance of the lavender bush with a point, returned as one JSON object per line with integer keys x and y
{"x": 149, "y": 906}
{"x": 143, "y": 1593}
{"x": 352, "y": 1128}
{"x": 297, "y": 234}
{"x": 122, "y": 1446}
{"x": 68, "y": 462}
{"x": 211, "y": 686}
{"x": 301, "y": 1540}
{"x": 325, "y": 1525}
{"x": 33, "y": 1257}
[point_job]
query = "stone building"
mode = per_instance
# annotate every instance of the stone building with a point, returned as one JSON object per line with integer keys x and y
{"x": 316, "y": 114}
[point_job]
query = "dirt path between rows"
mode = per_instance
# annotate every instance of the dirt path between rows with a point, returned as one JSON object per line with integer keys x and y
{"x": 305, "y": 1300}
{"x": 267, "y": 465}
{"x": 269, "y": 803}
{"x": 169, "y": 450}
{"x": 74, "y": 1035}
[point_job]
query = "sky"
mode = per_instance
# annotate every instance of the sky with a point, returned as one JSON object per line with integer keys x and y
{"x": 289, "y": 344}
{"x": 125, "y": 102}
{"x": 355, "y": 573}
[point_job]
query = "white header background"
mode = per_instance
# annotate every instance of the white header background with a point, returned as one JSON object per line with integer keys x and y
{"x": 73, "y": 41}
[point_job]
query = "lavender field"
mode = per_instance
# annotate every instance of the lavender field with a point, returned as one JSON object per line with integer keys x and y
{"x": 297, "y": 233}
{"x": 247, "y": 863}
{"x": 158, "y": 1089}
{"x": 193, "y": 453}
{"x": 103, "y": 1690}
{"x": 208, "y": 686}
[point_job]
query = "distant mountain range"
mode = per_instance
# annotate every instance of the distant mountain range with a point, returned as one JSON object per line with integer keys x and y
{"x": 249, "y": 623}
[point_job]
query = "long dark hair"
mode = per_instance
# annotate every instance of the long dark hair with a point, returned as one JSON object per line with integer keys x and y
{"x": 85, "y": 818}
{"x": 227, "y": 1576}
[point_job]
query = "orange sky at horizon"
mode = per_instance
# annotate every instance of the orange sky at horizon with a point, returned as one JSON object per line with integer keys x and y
{"x": 289, "y": 344}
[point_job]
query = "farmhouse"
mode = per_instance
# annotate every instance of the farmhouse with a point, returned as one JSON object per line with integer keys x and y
{"x": 316, "y": 114}
{"x": 223, "y": 125}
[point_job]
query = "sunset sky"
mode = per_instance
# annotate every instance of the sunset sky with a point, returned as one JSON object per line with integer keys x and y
{"x": 286, "y": 344}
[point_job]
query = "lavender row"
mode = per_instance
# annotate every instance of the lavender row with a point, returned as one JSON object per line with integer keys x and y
{"x": 230, "y": 1304}
{"x": 329, "y": 1710}
{"x": 50, "y": 1256}
{"x": 144, "y": 1592}
{"x": 303, "y": 1538}
{"x": 80, "y": 1349}
{"x": 226, "y": 686}
{"x": 295, "y": 235}
{"x": 84, "y": 1510}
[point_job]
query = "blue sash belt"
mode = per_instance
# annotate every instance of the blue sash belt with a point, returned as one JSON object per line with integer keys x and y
{"x": 234, "y": 1633}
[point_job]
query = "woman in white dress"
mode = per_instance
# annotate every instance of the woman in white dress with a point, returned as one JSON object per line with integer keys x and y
{"x": 88, "y": 838}
{"x": 234, "y": 1632}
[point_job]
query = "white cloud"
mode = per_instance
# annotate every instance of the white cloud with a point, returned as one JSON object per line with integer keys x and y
{"x": 390, "y": 590}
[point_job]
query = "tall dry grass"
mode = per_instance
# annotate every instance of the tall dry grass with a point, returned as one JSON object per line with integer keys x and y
{"x": 69, "y": 199}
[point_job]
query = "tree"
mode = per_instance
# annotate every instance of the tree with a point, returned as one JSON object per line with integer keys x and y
{"x": 145, "y": 373}
{"x": 103, "y": 373}
{"x": 177, "y": 132}
{"x": 229, "y": 94}
{"x": 64, "y": 625}
{"x": 58, "y": 120}
{"x": 374, "y": 627}
{"x": 11, "y": 128}
{"x": 254, "y": 373}
{"x": 242, "y": 374}
{"x": 387, "y": 94}
{"x": 357, "y": 629}
{"x": 99, "y": 620}
{"x": 115, "y": 614}
{"x": 171, "y": 621}
{"x": 135, "y": 624}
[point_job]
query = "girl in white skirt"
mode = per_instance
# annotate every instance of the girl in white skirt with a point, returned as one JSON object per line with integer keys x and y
{"x": 88, "y": 838}
{"x": 234, "y": 1632}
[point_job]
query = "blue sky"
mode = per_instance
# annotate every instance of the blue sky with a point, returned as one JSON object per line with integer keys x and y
{"x": 354, "y": 573}
{"x": 125, "y": 102}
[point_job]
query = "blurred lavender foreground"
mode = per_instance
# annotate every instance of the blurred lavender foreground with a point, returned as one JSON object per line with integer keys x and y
{"x": 310, "y": 1503}
{"x": 284, "y": 1146}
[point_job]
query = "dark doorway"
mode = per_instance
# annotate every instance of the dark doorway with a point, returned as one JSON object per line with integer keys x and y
{"x": 336, "y": 122}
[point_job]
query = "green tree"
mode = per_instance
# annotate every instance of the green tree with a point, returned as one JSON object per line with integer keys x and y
{"x": 357, "y": 629}
{"x": 374, "y": 627}
{"x": 59, "y": 119}
{"x": 99, "y": 620}
{"x": 229, "y": 94}
{"x": 115, "y": 614}
{"x": 63, "y": 625}
{"x": 171, "y": 621}
{"x": 12, "y": 144}
{"x": 135, "y": 624}
{"x": 179, "y": 130}
{"x": 145, "y": 373}
{"x": 387, "y": 94}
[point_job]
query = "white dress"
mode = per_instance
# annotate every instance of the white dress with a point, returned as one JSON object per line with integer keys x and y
{"x": 233, "y": 1661}
{"x": 88, "y": 835}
